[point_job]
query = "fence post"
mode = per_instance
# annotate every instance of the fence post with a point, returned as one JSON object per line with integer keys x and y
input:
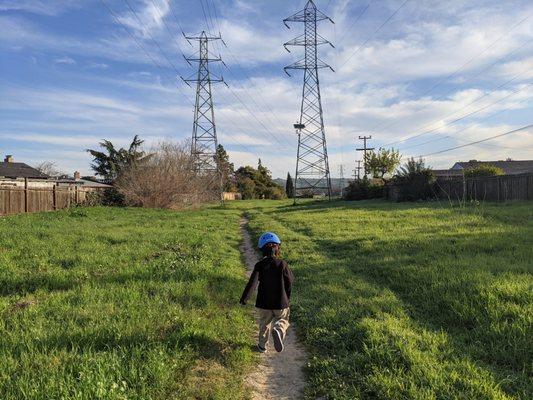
{"x": 464, "y": 189}
{"x": 25, "y": 195}
{"x": 77, "y": 195}
{"x": 54, "y": 197}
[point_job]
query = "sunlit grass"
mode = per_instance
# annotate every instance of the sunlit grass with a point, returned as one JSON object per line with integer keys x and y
{"x": 122, "y": 304}
{"x": 410, "y": 301}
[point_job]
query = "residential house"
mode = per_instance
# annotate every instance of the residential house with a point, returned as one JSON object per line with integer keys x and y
{"x": 509, "y": 167}
{"x": 16, "y": 174}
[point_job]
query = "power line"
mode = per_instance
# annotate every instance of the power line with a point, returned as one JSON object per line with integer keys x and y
{"x": 151, "y": 37}
{"x": 438, "y": 83}
{"x": 353, "y": 24}
{"x": 239, "y": 99}
{"x": 115, "y": 18}
{"x": 175, "y": 17}
{"x": 462, "y": 117}
{"x": 266, "y": 105}
{"x": 374, "y": 33}
{"x": 164, "y": 73}
{"x": 166, "y": 25}
{"x": 455, "y": 133}
{"x": 478, "y": 141}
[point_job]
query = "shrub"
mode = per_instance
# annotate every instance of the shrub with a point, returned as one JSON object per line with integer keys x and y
{"x": 306, "y": 194}
{"x": 483, "y": 170}
{"x": 361, "y": 189}
{"x": 382, "y": 163}
{"x": 257, "y": 183}
{"x": 167, "y": 180}
{"x": 415, "y": 181}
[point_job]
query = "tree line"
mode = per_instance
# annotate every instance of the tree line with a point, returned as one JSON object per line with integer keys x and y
{"x": 166, "y": 177}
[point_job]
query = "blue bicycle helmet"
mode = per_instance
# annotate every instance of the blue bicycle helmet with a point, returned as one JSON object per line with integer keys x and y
{"x": 268, "y": 237}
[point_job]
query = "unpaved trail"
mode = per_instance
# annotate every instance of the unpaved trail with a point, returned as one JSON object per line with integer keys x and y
{"x": 278, "y": 376}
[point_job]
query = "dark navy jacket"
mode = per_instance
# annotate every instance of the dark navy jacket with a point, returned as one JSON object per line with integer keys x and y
{"x": 275, "y": 283}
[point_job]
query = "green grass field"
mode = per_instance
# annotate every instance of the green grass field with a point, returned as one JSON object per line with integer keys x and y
{"x": 122, "y": 304}
{"x": 411, "y": 301}
{"x": 393, "y": 301}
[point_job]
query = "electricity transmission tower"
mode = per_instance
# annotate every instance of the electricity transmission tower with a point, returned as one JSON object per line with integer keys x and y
{"x": 204, "y": 132}
{"x": 312, "y": 165}
{"x": 365, "y": 150}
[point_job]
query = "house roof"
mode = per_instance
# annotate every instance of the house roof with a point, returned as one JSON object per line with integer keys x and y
{"x": 447, "y": 172}
{"x": 510, "y": 167}
{"x": 84, "y": 182}
{"x": 20, "y": 170}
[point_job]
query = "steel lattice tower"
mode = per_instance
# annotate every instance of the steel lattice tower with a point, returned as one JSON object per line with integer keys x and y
{"x": 204, "y": 131}
{"x": 312, "y": 165}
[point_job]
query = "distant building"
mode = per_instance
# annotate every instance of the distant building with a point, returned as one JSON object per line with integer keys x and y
{"x": 447, "y": 173}
{"x": 77, "y": 180}
{"x": 9, "y": 169}
{"x": 509, "y": 167}
{"x": 15, "y": 174}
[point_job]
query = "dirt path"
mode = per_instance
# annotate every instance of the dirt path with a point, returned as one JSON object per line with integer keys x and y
{"x": 278, "y": 376}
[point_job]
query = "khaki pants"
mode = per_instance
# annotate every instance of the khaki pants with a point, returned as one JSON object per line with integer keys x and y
{"x": 269, "y": 319}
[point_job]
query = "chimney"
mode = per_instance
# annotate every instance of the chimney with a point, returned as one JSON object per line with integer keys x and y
{"x": 9, "y": 158}
{"x": 77, "y": 175}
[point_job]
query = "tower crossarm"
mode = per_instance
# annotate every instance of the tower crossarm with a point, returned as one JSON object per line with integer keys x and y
{"x": 302, "y": 40}
{"x": 309, "y": 12}
{"x": 303, "y": 64}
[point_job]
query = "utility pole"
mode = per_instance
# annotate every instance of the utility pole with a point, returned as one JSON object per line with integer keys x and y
{"x": 204, "y": 132}
{"x": 365, "y": 149}
{"x": 312, "y": 165}
{"x": 357, "y": 170}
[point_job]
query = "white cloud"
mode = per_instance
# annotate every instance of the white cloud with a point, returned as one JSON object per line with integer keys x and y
{"x": 147, "y": 19}
{"x": 98, "y": 66}
{"x": 381, "y": 91}
{"x": 65, "y": 60}
{"x": 45, "y": 7}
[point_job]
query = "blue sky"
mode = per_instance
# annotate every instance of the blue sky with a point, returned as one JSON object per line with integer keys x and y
{"x": 454, "y": 71}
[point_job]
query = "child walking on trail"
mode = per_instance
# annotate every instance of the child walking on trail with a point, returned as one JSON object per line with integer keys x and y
{"x": 273, "y": 294}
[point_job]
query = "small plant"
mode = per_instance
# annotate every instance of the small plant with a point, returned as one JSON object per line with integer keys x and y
{"x": 362, "y": 189}
{"x": 382, "y": 163}
{"x": 483, "y": 170}
{"x": 415, "y": 181}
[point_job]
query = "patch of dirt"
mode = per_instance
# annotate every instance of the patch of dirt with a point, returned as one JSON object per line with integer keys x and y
{"x": 279, "y": 375}
{"x": 23, "y": 304}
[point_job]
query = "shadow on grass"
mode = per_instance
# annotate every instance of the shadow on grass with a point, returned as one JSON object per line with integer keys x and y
{"x": 443, "y": 291}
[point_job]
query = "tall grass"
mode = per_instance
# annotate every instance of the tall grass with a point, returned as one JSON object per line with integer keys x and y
{"x": 410, "y": 301}
{"x": 122, "y": 304}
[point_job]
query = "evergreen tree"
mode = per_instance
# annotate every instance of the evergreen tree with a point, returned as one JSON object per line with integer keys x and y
{"x": 112, "y": 161}
{"x": 289, "y": 186}
{"x": 227, "y": 169}
{"x": 257, "y": 183}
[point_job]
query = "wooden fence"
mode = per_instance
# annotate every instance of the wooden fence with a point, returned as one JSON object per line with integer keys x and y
{"x": 493, "y": 188}
{"x": 15, "y": 200}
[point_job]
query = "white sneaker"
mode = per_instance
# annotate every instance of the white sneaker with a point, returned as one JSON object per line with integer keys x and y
{"x": 278, "y": 340}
